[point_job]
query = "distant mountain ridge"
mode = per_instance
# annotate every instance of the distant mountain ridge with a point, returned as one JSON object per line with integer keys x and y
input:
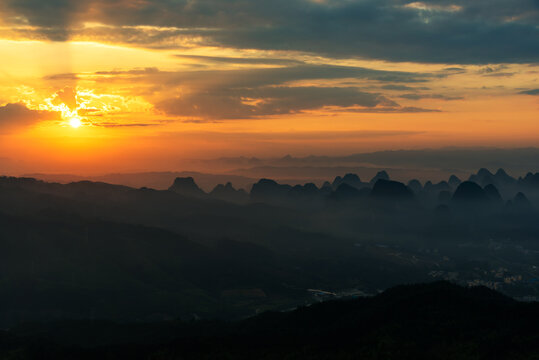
{"x": 498, "y": 187}
{"x": 154, "y": 180}
{"x": 186, "y": 186}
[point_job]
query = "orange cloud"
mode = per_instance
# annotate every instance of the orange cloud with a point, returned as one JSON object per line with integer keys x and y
{"x": 17, "y": 115}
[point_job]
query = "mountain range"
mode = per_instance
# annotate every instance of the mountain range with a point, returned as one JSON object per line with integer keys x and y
{"x": 92, "y": 250}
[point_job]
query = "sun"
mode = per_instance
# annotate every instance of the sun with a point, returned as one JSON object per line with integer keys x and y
{"x": 75, "y": 122}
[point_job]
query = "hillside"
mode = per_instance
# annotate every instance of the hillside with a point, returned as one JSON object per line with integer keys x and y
{"x": 427, "y": 321}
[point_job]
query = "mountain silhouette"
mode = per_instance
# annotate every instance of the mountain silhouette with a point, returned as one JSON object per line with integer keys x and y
{"x": 86, "y": 249}
{"x": 485, "y": 177}
{"x": 492, "y": 193}
{"x": 326, "y": 189}
{"x": 469, "y": 191}
{"x": 349, "y": 179}
{"x": 444, "y": 197}
{"x": 502, "y": 178}
{"x": 531, "y": 180}
{"x": 186, "y": 186}
{"x": 454, "y": 181}
{"x": 415, "y": 186}
{"x": 424, "y": 321}
{"x": 307, "y": 191}
{"x": 441, "y": 186}
{"x": 381, "y": 175}
{"x": 269, "y": 190}
{"x": 228, "y": 193}
{"x": 388, "y": 189}
{"x": 521, "y": 203}
{"x": 346, "y": 192}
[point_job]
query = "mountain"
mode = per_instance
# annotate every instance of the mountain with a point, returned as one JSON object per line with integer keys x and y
{"x": 502, "y": 178}
{"x": 454, "y": 181}
{"x": 85, "y": 250}
{"x": 186, "y": 186}
{"x": 387, "y": 189}
{"x": 347, "y": 192}
{"x": 521, "y": 203}
{"x": 349, "y": 179}
{"x": 305, "y": 192}
{"x": 425, "y": 321}
{"x": 381, "y": 175}
{"x": 228, "y": 193}
{"x": 469, "y": 191}
{"x": 531, "y": 180}
{"x": 415, "y": 186}
{"x": 485, "y": 177}
{"x": 441, "y": 186}
{"x": 154, "y": 180}
{"x": 492, "y": 193}
{"x": 269, "y": 190}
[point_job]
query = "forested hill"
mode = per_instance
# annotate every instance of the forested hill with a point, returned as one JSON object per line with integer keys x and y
{"x": 429, "y": 321}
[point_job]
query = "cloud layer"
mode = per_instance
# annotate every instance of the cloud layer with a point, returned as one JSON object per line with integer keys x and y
{"x": 437, "y": 31}
{"x": 257, "y": 92}
{"x": 14, "y": 116}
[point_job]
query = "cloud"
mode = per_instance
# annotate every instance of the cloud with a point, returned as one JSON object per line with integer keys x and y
{"x": 135, "y": 72}
{"x": 265, "y": 76}
{"x": 402, "y": 87}
{"x": 495, "y": 71}
{"x": 435, "y": 31}
{"x": 530, "y": 92}
{"x": 239, "y": 60}
{"x": 248, "y": 103}
{"x": 394, "y": 109}
{"x": 67, "y": 96}
{"x": 62, "y": 77}
{"x": 15, "y": 115}
{"x": 416, "y": 96}
{"x": 217, "y": 94}
{"x": 455, "y": 69}
{"x": 212, "y": 94}
{"x": 120, "y": 125}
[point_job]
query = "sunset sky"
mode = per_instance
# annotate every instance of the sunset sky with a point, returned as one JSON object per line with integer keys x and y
{"x": 127, "y": 85}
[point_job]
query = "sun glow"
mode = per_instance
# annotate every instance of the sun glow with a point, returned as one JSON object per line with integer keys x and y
{"x": 75, "y": 122}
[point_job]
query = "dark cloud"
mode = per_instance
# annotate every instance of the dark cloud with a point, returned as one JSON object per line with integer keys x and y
{"x": 53, "y": 17}
{"x": 400, "y": 87}
{"x": 136, "y": 72}
{"x": 256, "y": 77}
{"x": 239, "y": 60}
{"x": 249, "y": 103}
{"x": 530, "y": 92}
{"x": 394, "y": 109}
{"x": 17, "y": 115}
{"x": 438, "y": 31}
{"x": 256, "y": 92}
{"x": 491, "y": 69}
{"x": 495, "y": 71}
{"x": 62, "y": 77}
{"x": 119, "y": 125}
{"x": 455, "y": 69}
{"x": 416, "y": 96}
{"x": 501, "y": 74}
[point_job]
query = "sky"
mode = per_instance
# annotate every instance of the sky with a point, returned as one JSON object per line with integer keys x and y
{"x": 138, "y": 85}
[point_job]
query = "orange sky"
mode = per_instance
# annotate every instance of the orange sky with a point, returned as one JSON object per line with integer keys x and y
{"x": 150, "y": 108}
